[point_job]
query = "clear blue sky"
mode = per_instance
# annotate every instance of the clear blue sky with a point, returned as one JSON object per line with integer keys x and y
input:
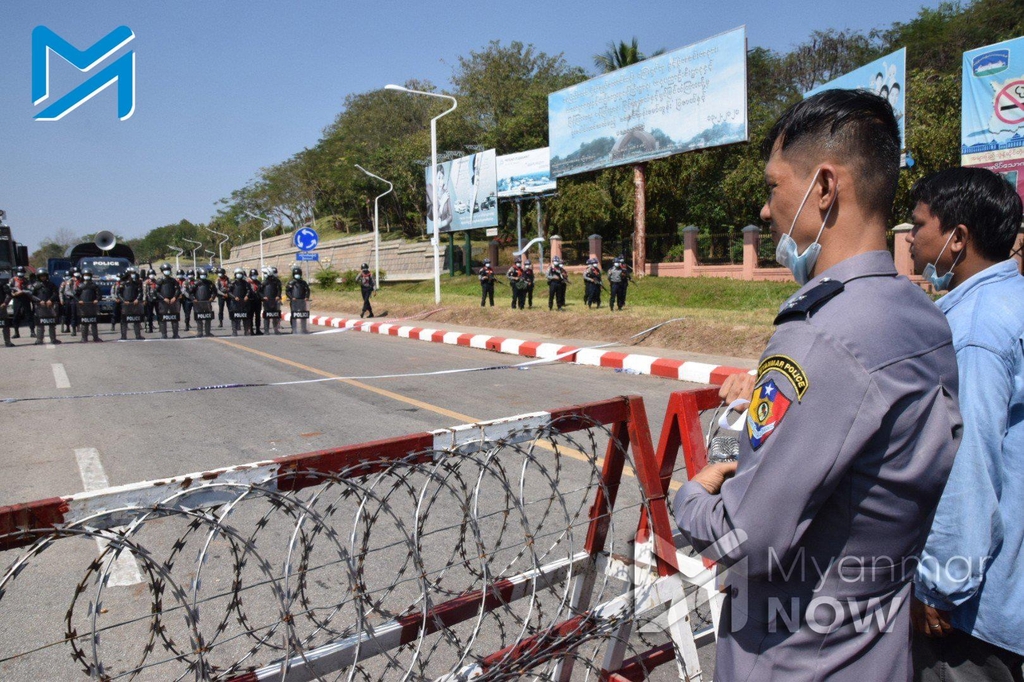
{"x": 227, "y": 86}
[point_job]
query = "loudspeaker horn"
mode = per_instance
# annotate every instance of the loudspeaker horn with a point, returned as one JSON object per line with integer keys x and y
{"x": 105, "y": 240}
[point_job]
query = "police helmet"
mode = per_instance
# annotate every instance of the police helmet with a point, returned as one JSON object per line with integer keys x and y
{"x": 220, "y": 271}
{"x": 556, "y": 260}
{"x": 166, "y": 268}
{"x": 364, "y": 266}
{"x": 518, "y": 261}
{"x": 273, "y": 271}
{"x": 41, "y": 272}
{"x": 152, "y": 272}
{"x": 20, "y": 271}
{"x": 528, "y": 263}
{"x": 297, "y": 270}
{"x": 87, "y": 273}
{"x": 253, "y": 272}
{"x": 202, "y": 273}
{"x": 239, "y": 273}
{"x": 191, "y": 274}
{"x": 180, "y": 273}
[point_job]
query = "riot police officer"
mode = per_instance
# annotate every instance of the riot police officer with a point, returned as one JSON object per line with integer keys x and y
{"x": 46, "y": 297}
{"x": 254, "y": 303}
{"x": 203, "y": 294}
{"x": 618, "y": 278}
{"x": 5, "y": 299}
{"x": 558, "y": 280}
{"x": 486, "y": 276}
{"x": 22, "y": 294}
{"x": 592, "y": 277}
{"x": 67, "y": 298}
{"x": 88, "y": 297}
{"x": 367, "y": 286}
{"x": 530, "y": 279}
{"x": 149, "y": 309}
{"x": 168, "y": 302}
{"x": 271, "y": 292}
{"x": 186, "y": 298}
{"x": 223, "y": 297}
{"x": 298, "y": 292}
{"x": 131, "y": 296}
{"x": 239, "y": 291}
{"x": 517, "y": 284}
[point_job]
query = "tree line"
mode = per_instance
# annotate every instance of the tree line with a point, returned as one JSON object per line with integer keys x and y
{"x": 502, "y": 91}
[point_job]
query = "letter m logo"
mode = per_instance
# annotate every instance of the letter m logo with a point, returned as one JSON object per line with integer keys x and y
{"x": 121, "y": 71}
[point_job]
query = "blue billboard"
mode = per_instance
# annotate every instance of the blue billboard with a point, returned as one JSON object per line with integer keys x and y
{"x": 691, "y": 98}
{"x": 467, "y": 193}
{"x": 992, "y": 127}
{"x": 887, "y": 77}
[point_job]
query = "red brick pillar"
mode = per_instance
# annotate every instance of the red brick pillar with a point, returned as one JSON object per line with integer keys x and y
{"x": 492, "y": 252}
{"x": 690, "y": 250}
{"x": 901, "y": 250}
{"x": 556, "y": 247}
{"x": 596, "y": 245}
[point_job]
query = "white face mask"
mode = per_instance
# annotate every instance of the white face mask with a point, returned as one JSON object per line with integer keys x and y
{"x": 941, "y": 283}
{"x": 787, "y": 253}
{"x": 297, "y": 276}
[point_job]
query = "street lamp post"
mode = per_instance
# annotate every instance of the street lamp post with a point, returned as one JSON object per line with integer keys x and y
{"x": 269, "y": 226}
{"x": 433, "y": 170}
{"x": 179, "y": 251}
{"x": 220, "y": 246}
{"x": 376, "y": 225}
{"x": 199, "y": 245}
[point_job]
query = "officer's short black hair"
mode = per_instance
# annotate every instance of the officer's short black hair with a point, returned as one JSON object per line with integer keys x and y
{"x": 854, "y": 127}
{"x": 976, "y": 197}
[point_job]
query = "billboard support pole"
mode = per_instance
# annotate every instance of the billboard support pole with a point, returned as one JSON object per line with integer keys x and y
{"x": 519, "y": 224}
{"x": 540, "y": 234}
{"x": 469, "y": 255}
{"x": 451, "y": 254}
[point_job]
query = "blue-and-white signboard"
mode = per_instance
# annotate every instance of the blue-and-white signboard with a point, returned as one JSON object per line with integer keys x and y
{"x": 307, "y": 255}
{"x": 467, "y": 193}
{"x": 691, "y": 98}
{"x": 306, "y": 239}
{"x": 992, "y": 128}
{"x": 887, "y": 77}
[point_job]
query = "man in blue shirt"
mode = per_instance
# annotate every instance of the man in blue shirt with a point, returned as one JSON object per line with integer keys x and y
{"x": 968, "y": 613}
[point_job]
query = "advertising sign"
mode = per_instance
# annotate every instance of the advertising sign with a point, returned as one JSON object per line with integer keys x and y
{"x": 691, "y": 98}
{"x": 886, "y": 76}
{"x": 992, "y": 124}
{"x": 525, "y": 173}
{"x": 467, "y": 193}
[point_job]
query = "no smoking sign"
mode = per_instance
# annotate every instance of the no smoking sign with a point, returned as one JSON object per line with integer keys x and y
{"x": 1009, "y": 103}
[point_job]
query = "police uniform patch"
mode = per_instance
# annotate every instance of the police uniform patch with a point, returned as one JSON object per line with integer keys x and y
{"x": 787, "y": 367}
{"x": 766, "y": 410}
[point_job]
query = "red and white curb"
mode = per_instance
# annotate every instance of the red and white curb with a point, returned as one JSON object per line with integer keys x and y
{"x": 634, "y": 363}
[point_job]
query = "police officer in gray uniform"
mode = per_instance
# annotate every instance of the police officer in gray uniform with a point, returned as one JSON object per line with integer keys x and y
{"x": 298, "y": 294}
{"x": 852, "y": 426}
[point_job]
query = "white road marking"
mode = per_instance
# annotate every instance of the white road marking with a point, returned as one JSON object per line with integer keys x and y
{"x": 60, "y": 376}
{"x": 125, "y": 570}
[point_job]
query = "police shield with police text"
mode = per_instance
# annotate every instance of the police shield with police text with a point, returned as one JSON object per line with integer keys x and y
{"x": 271, "y": 295}
{"x": 46, "y": 297}
{"x": 88, "y": 297}
{"x": 239, "y": 291}
{"x": 203, "y": 294}
{"x": 131, "y": 294}
{"x": 298, "y": 297}
{"x": 168, "y": 303}
{"x": 22, "y": 294}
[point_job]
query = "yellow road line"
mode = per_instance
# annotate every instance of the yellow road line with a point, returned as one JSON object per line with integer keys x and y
{"x": 461, "y": 418}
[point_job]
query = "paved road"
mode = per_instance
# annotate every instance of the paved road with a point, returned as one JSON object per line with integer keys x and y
{"x": 58, "y": 447}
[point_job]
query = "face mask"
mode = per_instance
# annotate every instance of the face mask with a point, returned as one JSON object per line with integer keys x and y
{"x": 941, "y": 283}
{"x": 786, "y": 253}
{"x": 135, "y": 278}
{"x": 88, "y": 278}
{"x": 239, "y": 276}
{"x": 297, "y": 276}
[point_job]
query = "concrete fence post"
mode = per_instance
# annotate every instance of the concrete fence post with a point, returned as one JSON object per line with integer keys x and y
{"x": 901, "y": 250}
{"x": 556, "y": 247}
{"x": 690, "y": 250}
{"x": 751, "y": 235}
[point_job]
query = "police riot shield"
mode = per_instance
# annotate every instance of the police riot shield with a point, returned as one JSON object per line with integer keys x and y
{"x": 203, "y": 310}
{"x": 272, "y": 310}
{"x": 47, "y": 314}
{"x": 131, "y": 311}
{"x": 300, "y": 310}
{"x": 88, "y": 313}
{"x": 169, "y": 312}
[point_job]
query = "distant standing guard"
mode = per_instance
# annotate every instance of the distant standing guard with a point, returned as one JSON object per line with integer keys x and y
{"x": 223, "y": 296}
{"x": 131, "y": 294}
{"x": 486, "y": 276}
{"x": 592, "y": 278}
{"x": 5, "y": 299}
{"x": 297, "y": 292}
{"x": 238, "y": 305}
{"x": 255, "y": 304}
{"x": 88, "y": 296}
{"x": 530, "y": 278}
{"x": 618, "y": 278}
{"x": 367, "y": 286}
{"x": 67, "y": 299}
{"x": 558, "y": 280}
{"x": 22, "y": 295}
{"x": 168, "y": 303}
{"x": 271, "y": 294}
{"x": 203, "y": 294}
{"x": 517, "y": 284}
{"x": 46, "y": 296}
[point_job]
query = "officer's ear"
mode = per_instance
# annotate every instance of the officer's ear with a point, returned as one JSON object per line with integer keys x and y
{"x": 959, "y": 241}
{"x": 827, "y": 186}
